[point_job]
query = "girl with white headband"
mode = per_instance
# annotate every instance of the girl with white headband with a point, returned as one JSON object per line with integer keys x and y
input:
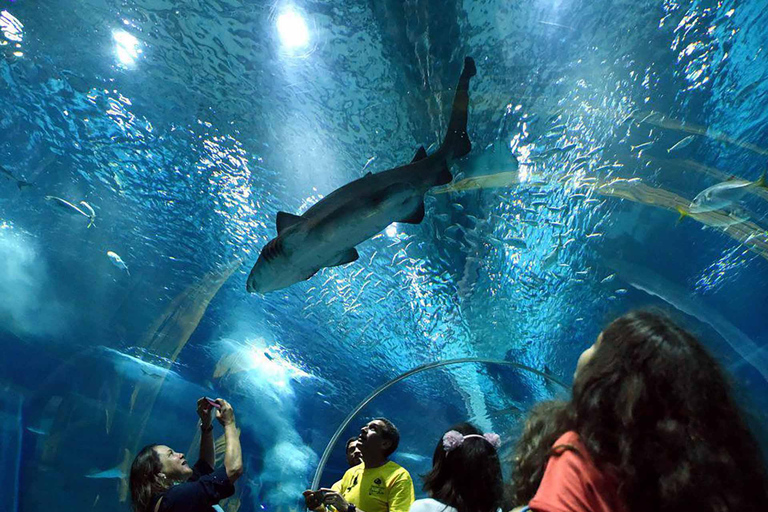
{"x": 465, "y": 475}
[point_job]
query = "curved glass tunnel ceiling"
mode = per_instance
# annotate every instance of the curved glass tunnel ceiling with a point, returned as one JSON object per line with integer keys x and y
{"x": 147, "y": 146}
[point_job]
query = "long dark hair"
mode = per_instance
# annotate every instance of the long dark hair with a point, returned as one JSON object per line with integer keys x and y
{"x": 469, "y": 477}
{"x": 545, "y": 423}
{"x": 143, "y": 481}
{"x": 655, "y": 410}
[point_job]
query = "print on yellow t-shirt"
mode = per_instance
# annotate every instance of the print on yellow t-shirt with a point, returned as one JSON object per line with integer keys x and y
{"x": 388, "y": 488}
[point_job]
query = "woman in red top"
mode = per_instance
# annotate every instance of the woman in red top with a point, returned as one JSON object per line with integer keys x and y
{"x": 652, "y": 426}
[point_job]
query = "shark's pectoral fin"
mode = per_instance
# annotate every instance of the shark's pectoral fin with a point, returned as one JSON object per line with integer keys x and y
{"x": 416, "y": 217}
{"x": 285, "y": 220}
{"x": 421, "y": 154}
{"x": 347, "y": 256}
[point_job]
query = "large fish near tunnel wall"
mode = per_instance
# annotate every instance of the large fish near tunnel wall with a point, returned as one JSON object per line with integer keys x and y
{"x": 326, "y": 234}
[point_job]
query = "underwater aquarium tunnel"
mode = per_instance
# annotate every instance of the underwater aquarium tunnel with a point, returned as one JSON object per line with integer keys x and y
{"x": 330, "y": 212}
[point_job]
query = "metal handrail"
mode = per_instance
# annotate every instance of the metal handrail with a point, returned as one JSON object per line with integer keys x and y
{"x": 429, "y": 366}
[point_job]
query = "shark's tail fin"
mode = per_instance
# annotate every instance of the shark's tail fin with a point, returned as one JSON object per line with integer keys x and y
{"x": 761, "y": 181}
{"x": 456, "y": 143}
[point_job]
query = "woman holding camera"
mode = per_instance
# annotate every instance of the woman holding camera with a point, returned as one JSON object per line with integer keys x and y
{"x": 162, "y": 481}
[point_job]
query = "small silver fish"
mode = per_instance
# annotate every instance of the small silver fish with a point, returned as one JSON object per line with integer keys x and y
{"x": 91, "y": 212}
{"x": 518, "y": 243}
{"x": 551, "y": 258}
{"x": 118, "y": 261}
{"x": 683, "y": 143}
{"x": 370, "y": 160}
{"x": 641, "y": 146}
{"x": 594, "y": 150}
{"x": 68, "y": 207}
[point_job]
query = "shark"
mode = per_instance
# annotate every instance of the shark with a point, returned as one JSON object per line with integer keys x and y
{"x": 10, "y": 176}
{"x": 327, "y": 233}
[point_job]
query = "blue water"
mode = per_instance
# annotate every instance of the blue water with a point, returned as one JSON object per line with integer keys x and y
{"x": 187, "y": 125}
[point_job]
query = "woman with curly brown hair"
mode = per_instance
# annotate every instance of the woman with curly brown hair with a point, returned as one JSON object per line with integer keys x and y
{"x": 652, "y": 426}
{"x": 161, "y": 480}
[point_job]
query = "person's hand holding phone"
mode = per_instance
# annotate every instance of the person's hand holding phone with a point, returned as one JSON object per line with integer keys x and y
{"x": 313, "y": 499}
{"x": 225, "y": 414}
{"x": 204, "y": 411}
{"x": 333, "y": 498}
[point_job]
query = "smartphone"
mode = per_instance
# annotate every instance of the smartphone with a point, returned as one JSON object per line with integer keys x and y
{"x": 317, "y": 499}
{"x": 213, "y": 402}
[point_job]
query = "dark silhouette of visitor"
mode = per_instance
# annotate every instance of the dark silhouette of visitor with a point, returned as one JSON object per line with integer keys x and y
{"x": 162, "y": 481}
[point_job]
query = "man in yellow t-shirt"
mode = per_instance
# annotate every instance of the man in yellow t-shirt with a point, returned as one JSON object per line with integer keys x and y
{"x": 354, "y": 457}
{"x": 376, "y": 485}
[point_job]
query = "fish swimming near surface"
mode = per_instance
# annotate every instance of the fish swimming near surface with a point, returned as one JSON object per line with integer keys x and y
{"x": 327, "y": 233}
{"x": 9, "y": 175}
{"x": 68, "y": 207}
{"x": 118, "y": 261}
{"x": 724, "y": 195}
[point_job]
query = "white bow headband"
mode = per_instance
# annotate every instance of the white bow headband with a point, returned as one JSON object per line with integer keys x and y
{"x": 453, "y": 439}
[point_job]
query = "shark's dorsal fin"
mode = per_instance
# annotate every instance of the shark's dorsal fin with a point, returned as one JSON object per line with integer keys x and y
{"x": 347, "y": 256}
{"x": 285, "y": 220}
{"x": 421, "y": 154}
{"x": 416, "y": 217}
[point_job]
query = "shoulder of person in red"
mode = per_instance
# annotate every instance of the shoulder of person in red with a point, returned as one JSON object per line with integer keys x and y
{"x": 572, "y": 482}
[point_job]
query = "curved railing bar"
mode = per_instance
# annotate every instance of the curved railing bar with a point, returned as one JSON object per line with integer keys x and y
{"x": 429, "y": 366}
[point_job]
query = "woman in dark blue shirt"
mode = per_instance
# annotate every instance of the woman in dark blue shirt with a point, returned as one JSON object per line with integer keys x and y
{"x": 163, "y": 481}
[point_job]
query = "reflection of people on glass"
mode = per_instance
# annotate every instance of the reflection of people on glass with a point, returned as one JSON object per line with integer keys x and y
{"x": 162, "y": 481}
{"x": 465, "y": 475}
{"x": 652, "y": 425}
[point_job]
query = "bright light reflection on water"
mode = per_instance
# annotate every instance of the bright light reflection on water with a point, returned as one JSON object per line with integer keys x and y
{"x": 127, "y": 47}
{"x": 293, "y": 30}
